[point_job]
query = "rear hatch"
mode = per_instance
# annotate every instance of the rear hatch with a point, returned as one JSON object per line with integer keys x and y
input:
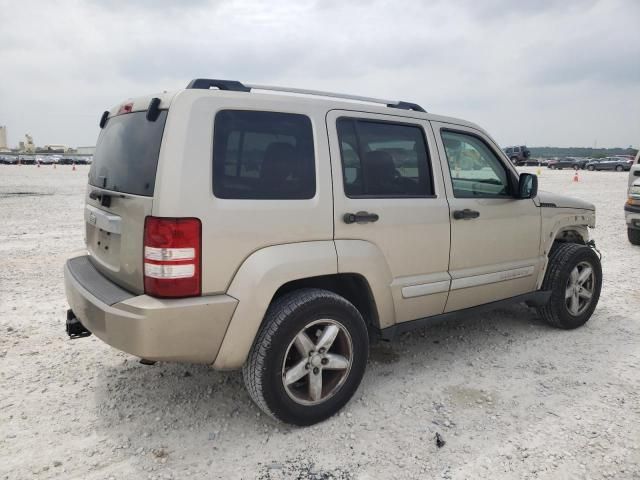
{"x": 120, "y": 194}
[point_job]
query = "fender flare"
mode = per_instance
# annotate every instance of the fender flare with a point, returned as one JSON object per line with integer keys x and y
{"x": 563, "y": 223}
{"x": 256, "y": 282}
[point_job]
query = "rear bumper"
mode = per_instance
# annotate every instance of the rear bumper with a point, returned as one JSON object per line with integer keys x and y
{"x": 185, "y": 330}
{"x": 632, "y": 216}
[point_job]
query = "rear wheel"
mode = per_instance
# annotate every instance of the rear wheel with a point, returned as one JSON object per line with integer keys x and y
{"x": 308, "y": 357}
{"x": 576, "y": 167}
{"x": 591, "y": 168}
{"x": 574, "y": 277}
{"x": 634, "y": 235}
{"x": 619, "y": 168}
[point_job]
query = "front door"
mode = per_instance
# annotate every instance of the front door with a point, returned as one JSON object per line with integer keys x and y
{"x": 389, "y": 200}
{"x": 495, "y": 238}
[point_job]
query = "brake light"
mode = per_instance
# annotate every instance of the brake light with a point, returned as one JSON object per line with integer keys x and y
{"x": 172, "y": 257}
{"x": 125, "y": 108}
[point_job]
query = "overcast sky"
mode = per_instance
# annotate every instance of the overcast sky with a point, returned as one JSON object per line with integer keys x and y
{"x": 555, "y": 73}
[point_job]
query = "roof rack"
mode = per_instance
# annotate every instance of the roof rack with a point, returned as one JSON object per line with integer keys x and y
{"x": 235, "y": 86}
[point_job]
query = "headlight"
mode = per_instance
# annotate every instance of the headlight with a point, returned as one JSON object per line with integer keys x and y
{"x": 634, "y": 190}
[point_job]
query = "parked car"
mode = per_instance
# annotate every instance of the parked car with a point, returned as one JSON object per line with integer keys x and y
{"x": 27, "y": 159}
{"x": 567, "y": 162}
{"x": 518, "y": 154}
{"x": 610, "y": 163}
{"x": 277, "y": 234}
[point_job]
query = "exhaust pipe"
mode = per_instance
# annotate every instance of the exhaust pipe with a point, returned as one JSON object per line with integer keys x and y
{"x": 75, "y": 329}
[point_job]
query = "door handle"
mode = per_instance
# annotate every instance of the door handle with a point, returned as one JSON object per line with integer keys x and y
{"x": 360, "y": 217}
{"x": 465, "y": 214}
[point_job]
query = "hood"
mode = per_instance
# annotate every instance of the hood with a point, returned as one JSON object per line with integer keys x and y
{"x": 562, "y": 201}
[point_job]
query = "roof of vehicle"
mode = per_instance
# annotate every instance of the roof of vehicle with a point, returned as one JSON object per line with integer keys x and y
{"x": 328, "y": 100}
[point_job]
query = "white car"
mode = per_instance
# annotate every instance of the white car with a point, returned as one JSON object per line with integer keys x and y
{"x": 632, "y": 213}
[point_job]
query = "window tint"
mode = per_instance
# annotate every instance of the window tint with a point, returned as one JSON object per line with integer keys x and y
{"x": 126, "y": 157}
{"x": 263, "y": 155}
{"x": 475, "y": 170}
{"x": 383, "y": 159}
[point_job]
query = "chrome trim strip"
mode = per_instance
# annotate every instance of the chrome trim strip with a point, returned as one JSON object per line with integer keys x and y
{"x": 488, "y": 278}
{"x": 425, "y": 289}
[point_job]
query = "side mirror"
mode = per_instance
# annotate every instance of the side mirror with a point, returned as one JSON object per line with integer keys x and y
{"x": 527, "y": 186}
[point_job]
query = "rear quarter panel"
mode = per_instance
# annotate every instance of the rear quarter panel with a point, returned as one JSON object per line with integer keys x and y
{"x": 234, "y": 229}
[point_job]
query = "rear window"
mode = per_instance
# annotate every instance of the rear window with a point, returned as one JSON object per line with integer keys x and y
{"x": 263, "y": 155}
{"x": 126, "y": 157}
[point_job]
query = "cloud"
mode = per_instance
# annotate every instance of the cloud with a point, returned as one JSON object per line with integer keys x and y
{"x": 535, "y": 71}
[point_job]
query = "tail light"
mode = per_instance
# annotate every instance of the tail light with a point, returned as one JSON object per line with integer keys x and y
{"x": 172, "y": 257}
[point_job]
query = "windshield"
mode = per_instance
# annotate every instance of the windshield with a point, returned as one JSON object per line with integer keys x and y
{"x": 127, "y": 152}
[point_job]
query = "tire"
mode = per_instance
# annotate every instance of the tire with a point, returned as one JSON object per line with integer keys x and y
{"x": 563, "y": 260}
{"x": 591, "y": 168}
{"x": 277, "y": 350}
{"x": 634, "y": 236}
{"x": 619, "y": 168}
{"x": 576, "y": 167}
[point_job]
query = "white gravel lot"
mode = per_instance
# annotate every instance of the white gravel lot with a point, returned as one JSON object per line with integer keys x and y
{"x": 511, "y": 397}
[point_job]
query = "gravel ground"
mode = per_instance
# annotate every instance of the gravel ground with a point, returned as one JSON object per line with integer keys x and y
{"x": 511, "y": 397}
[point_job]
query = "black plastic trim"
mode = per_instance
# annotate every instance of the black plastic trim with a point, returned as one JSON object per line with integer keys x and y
{"x": 95, "y": 283}
{"x": 153, "y": 112}
{"x": 631, "y": 208}
{"x": 534, "y": 299}
{"x": 104, "y": 118}
{"x": 207, "y": 83}
{"x": 407, "y": 106}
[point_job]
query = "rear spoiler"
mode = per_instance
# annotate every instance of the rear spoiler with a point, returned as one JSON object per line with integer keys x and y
{"x": 153, "y": 111}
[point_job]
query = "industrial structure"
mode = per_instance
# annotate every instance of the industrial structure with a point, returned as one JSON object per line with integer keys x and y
{"x": 3, "y": 139}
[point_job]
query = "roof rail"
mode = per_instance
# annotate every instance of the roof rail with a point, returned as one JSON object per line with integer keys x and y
{"x": 207, "y": 83}
{"x": 235, "y": 86}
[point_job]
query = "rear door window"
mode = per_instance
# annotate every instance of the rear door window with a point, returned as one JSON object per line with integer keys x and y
{"x": 263, "y": 155}
{"x": 383, "y": 159}
{"x": 126, "y": 157}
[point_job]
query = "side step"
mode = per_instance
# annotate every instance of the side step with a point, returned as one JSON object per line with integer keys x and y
{"x": 75, "y": 329}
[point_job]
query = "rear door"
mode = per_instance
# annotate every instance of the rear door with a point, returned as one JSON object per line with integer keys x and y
{"x": 389, "y": 191}
{"x": 495, "y": 238}
{"x": 120, "y": 195}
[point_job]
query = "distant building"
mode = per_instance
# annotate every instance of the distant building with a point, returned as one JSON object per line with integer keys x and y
{"x": 55, "y": 148}
{"x": 85, "y": 150}
{"x": 3, "y": 139}
{"x": 27, "y": 146}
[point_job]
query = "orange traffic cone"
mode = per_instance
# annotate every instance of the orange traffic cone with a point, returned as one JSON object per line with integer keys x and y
{"x": 575, "y": 177}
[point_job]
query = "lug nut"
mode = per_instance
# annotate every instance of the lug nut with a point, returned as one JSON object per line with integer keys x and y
{"x": 324, "y": 361}
{"x": 307, "y": 366}
{"x": 316, "y": 370}
{"x": 322, "y": 350}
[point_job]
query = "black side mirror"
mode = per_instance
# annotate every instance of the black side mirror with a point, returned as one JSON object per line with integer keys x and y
{"x": 527, "y": 186}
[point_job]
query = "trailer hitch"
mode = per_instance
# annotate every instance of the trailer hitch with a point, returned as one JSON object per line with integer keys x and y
{"x": 75, "y": 329}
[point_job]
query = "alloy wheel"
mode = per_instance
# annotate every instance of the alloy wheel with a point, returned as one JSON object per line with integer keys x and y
{"x": 317, "y": 362}
{"x": 580, "y": 288}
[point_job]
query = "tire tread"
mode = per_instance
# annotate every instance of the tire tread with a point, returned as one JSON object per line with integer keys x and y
{"x": 277, "y": 313}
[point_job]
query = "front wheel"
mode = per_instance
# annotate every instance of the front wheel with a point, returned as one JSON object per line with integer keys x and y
{"x": 574, "y": 277}
{"x": 308, "y": 357}
{"x": 619, "y": 168}
{"x": 634, "y": 236}
{"x": 591, "y": 168}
